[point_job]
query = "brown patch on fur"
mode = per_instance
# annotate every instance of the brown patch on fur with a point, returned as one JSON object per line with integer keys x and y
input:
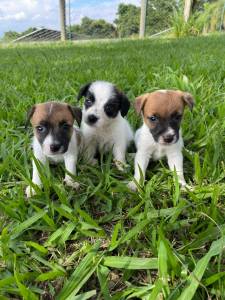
{"x": 140, "y": 102}
{"x": 162, "y": 104}
{"x": 53, "y": 112}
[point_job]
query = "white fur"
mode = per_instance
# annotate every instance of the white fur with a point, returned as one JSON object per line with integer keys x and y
{"x": 148, "y": 149}
{"x": 163, "y": 91}
{"x": 69, "y": 158}
{"x": 107, "y": 133}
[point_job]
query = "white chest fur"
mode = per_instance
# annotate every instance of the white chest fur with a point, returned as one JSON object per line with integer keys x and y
{"x": 148, "y": 149}
{"x": 145, "y": 141}
{"x": 114, "y": 136}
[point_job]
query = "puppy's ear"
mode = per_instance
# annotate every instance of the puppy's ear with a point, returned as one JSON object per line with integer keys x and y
{"x": 29, "y": 115}
{"x": 124, "y": 103}
{"x": 83, "y": 90}
{"x": 139, "y": 103}
{"x": 188, "y": 100}
{"x": 77, "y": 113}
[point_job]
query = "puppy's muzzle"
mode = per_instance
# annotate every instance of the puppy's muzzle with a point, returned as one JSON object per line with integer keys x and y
{"x": 169, "y": 138}
{"x": 92, "y": 119}
{"x": 55, "y": 147}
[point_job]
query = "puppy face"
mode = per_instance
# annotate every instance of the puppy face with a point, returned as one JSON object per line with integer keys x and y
{"x": 53, "y": 125}
{"x": 103, "y": 103}
{"x": 162, "y": 112}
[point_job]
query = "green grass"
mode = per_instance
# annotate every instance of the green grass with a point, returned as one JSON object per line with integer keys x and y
{"x": 106, "y": 242}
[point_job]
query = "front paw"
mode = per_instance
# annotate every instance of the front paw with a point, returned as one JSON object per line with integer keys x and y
{"x": 71, "y": 183}
{"x": 132, "y": 186}
{"x": 30, "y": 191}
{"x": 182, "y": 183}
{"x": 120, "y": 165}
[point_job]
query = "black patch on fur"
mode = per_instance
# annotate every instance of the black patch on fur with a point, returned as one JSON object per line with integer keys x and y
{"x": 112, "y": 107}
{"x": 41, "y": 135}
{"x": 117, "y": 103}
{"x": 124, "y": 103}
{"x": 162, "y": 125}
{"x": 76, "y": 113}
{"x": 83, "y": 90}
{"x": 89, "y": 100}
{"x": 61, "y": 134}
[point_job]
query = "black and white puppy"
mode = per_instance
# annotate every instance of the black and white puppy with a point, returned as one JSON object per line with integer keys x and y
{"x": 55, "y": 138}
{"x": 103, "y": 125}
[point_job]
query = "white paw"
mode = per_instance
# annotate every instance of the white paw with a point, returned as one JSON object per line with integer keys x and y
{"x": 29, "y": 191}
{"x": 132, "y": 186}
{"x": 71, "y": 183}
{"x": 183, "y": 183}
{"x": 120, "y": 165}
{"x": 186, "y": 186}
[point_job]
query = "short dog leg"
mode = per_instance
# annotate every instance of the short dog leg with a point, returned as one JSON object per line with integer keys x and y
{"x": 89, "y": 154}
{"x": 141, "y": 162}
{"x": 35, "y": 177}
{"x": 175, "y": 161}
{"x": 70, "y": 165}
{"x": 119, "y": 152}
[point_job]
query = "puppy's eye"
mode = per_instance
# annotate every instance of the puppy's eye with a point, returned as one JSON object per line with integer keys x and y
{"x": 88, "y": 102}
{"x": 177, "y": 117}
{"x": 41, "y": 128}
{"x": 66, "y": 126}
{"x": 153, "y": 118}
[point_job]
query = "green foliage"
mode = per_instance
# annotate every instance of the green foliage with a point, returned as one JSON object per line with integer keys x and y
{"x": 212, "y": 18}
{"x": 209, "y": 17}
{"x": 12, "y": 35}
{"x": 159, "y": 14}
{"x": 128, "y": 20}
{"x": 198, "y": 5}
{"x": 105, "y": 241}
{"x": 158, "y": 17}
{"x": 182, "y": 28}
{"x": 94, "y": 28}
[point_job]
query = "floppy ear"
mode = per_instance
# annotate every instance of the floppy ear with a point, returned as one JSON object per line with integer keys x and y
{"x": 139, "y": 103}
{"x": 188, "y": 100}
{"x": 124, "y": 103}
{"x": 77, "y": 113}
{"x": 83, "y": 90}
{"x": 29, "y": 115}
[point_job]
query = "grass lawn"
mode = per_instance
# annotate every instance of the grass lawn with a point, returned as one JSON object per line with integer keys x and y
{"x": 104, "y": 241}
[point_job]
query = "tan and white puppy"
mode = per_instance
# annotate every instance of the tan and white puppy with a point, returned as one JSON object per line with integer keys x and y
{"x": 55, "y": 138}
{"x": 160, "y": 134}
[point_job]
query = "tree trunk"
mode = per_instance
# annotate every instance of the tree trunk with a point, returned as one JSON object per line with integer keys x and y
{"x": 62, "y": 11}
{"x": 143, "y": 18}
{"x": 187, "y": 9}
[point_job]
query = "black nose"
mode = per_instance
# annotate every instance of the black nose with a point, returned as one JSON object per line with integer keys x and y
{"x": 92, "y": 119}
{"x": 169, "y": 138}
{"x": 55, "y": 147}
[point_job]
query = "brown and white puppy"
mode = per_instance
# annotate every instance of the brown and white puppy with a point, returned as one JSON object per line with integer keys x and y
{"x": 55, "y": 138}
{"x": 160, "y": 134}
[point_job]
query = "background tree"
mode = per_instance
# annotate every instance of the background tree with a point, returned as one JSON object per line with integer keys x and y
{"x": 128, "y": 20}
{"x": 12, "y": 35}
{"x": 94, "y": 28}
{"x": 159, "y": 14}
{"x": 198, "y": 5}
